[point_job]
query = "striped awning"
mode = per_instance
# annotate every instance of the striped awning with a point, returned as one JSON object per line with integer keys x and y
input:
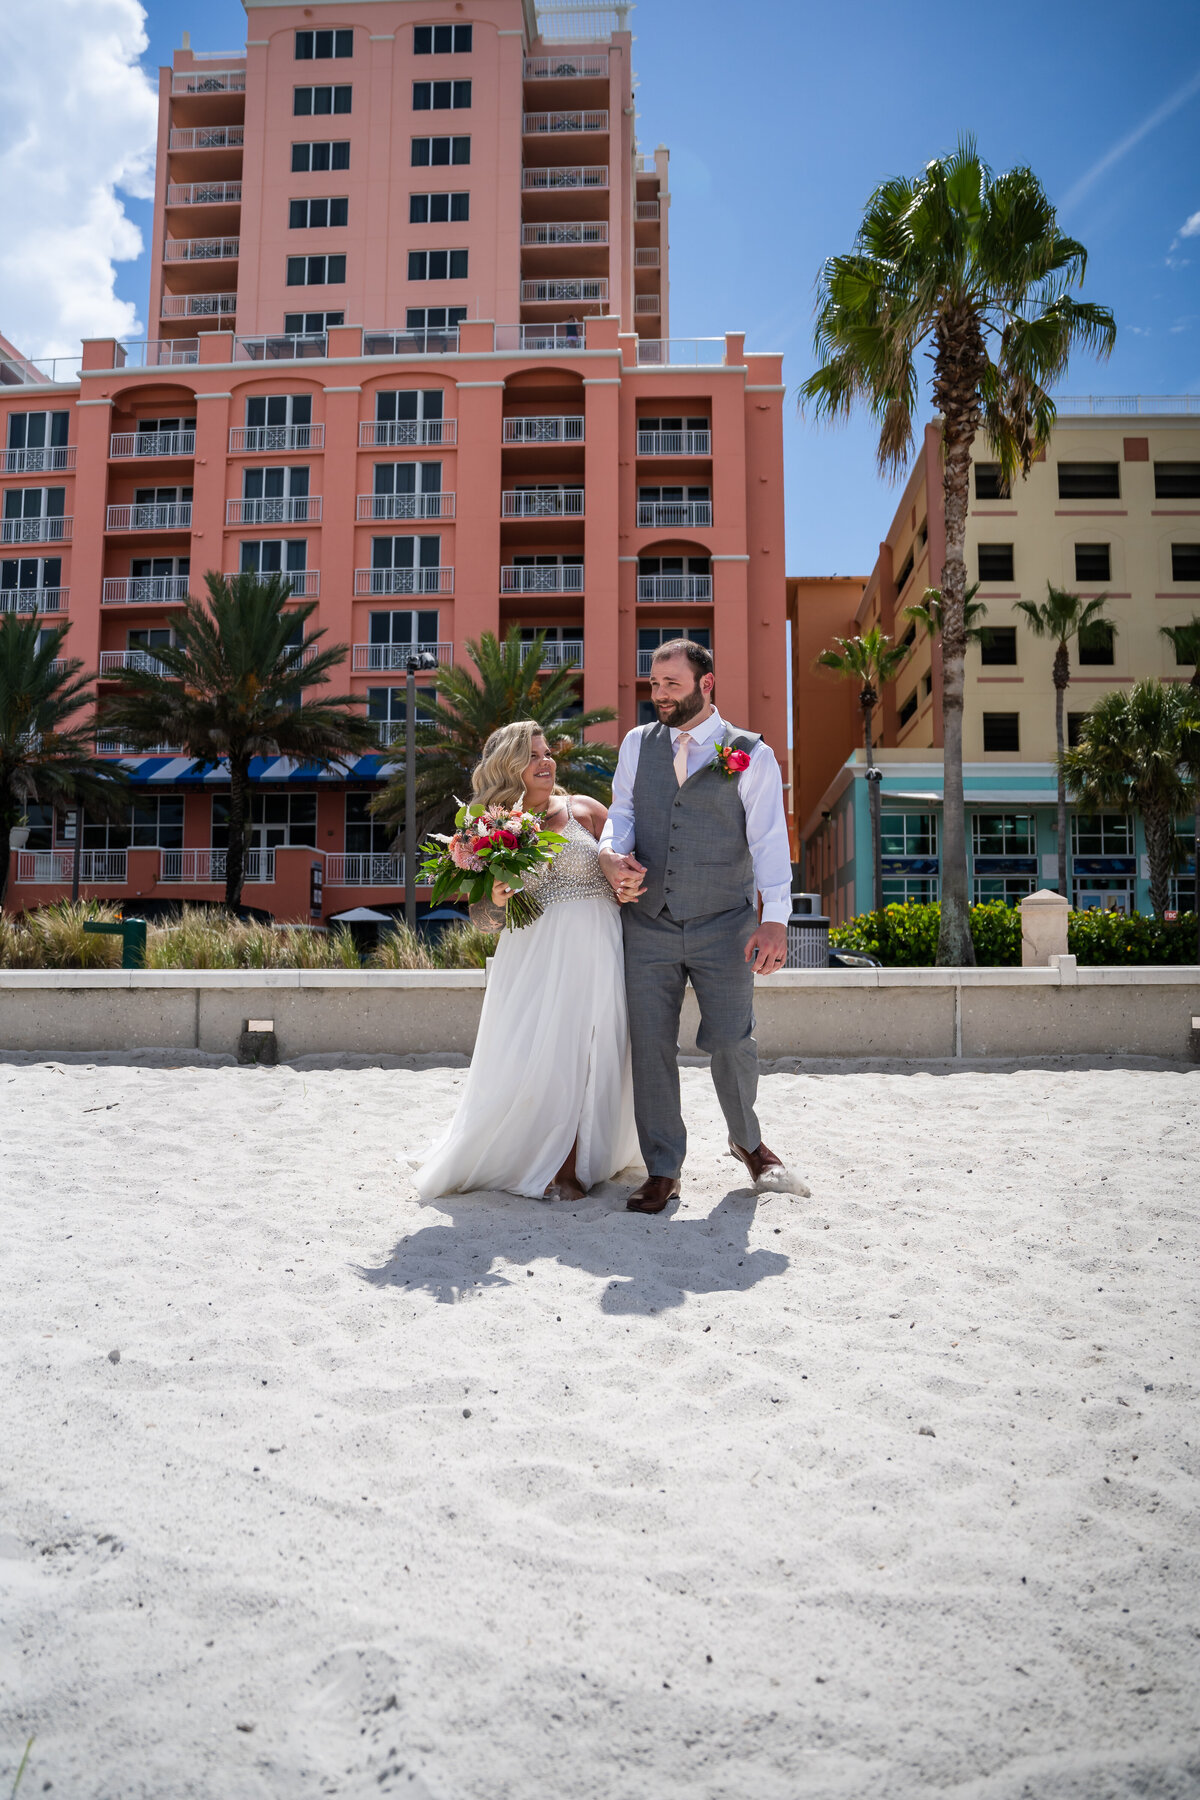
{"x": 169, "y": 769}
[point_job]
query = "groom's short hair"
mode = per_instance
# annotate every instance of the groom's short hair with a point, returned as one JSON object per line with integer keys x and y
{"x": 698, "y": 655}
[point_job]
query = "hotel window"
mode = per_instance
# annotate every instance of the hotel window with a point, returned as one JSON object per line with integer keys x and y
{"x": 406, "y": 565}
{"x": 366, "y": 836}
{"x": 405, "y": 410}
{"x": 311, "y": 324}
{"x": 159, "y": 568}
{"x": 314, "y": 101}
{"x": 25, "y": 509}
{"x": 906, "y": 569}
{"x": 1177, "y": 481}
{"x": 433, "y": 318}
{"x": 387, "y": 708}
{"x": 438, "y": 209}
{"x": 98, "y": 834}
{"x": 908, "y": 710}
{"x": 653, "y": 637}
{"x": 37, "y": 440}
{"x": 310, "y": 159}
{"x": 437, "y": 265}
{"x": 316, "y": 271}
{"x": 1101, "y": 834}
{"x": 1096, "y": 645}
{"x": 1089, "y": 481}
{"x": 1075, "y": 729}
{"x": 1011, "y": 889}
{"x": 29, "y": 574}
{"x": 401, "y": 630}
{"x": 289, "y": 482}
{"x": 267, "y": 410}
{"x": 156, "y": 822}
{"x": 441, "y": 40}
{"x": 1001, "y": 731}
{"x": 998, "y": 646}
{"x": 909, "y": 638}
{"x": 1003, "y": 834}
{"x": 1185, "y": 561}
{"x": 927, "y": 684}
{"x": 995, "y": 562}
{"x": 399, "y": 489}
{"x": 990, "y": 483}
{"x": 41, "y": 827}
{"x": 307, "y": 215}
{"x": 273, "y": 556}
{"x": 321, "y": 44}
{"x": 1093, "y": 562}
{"x": 908, "y": 834}
{"x": 440, "y": 152}
{"x": 441, "y": 96}
{"x": 276, "y": 821}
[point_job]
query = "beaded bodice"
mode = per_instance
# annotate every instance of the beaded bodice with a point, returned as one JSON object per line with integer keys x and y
{"x": 575, "y": 873}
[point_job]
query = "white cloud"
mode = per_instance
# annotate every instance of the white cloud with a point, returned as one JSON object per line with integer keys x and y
{"x": 1124, "y": 145}
{"x": 1189, "y": 228}
{"x": 78, "y": 123}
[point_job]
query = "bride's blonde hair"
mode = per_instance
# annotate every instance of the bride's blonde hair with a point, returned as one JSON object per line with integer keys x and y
{"x": 497, "y": 778}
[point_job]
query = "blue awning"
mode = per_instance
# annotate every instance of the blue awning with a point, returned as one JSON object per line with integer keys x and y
{"x": 172, "y": 769}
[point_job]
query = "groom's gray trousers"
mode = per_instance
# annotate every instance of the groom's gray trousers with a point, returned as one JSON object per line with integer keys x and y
{"x": 661, "y": 955}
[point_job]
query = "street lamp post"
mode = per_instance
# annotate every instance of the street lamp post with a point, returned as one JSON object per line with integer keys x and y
{"x": 418, "y": 659}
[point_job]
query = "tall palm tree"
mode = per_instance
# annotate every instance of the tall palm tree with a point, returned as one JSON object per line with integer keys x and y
{"x": 1186, "y": 639}
{"x": 1133, "y": 755}
{"x": 975, "y": 263}
{"x": 230, "y": 689}
{"x": 872, "y": 660}
{"x": 1062, "y": 616}
{"x": 44, "y": 759}
{"x": 507, "y": 683}
{"x": 927, "y": 612}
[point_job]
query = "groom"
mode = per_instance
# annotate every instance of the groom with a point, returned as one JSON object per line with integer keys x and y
{"x": 697, "y": 825}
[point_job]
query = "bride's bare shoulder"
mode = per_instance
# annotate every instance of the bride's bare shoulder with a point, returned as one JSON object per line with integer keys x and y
{"x": 589, "y": 812}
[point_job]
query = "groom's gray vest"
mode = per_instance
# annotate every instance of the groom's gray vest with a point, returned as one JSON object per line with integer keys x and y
{"x": 692, "y": 839}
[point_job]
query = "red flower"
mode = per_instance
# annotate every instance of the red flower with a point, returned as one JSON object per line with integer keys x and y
{"x": 738, "y": 760}
{"x": 508, "y": 839}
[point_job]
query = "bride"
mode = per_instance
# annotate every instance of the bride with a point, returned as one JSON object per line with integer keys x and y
{"x": 548, "y": 1105}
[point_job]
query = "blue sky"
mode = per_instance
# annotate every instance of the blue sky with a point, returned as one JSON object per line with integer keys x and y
{"x": 782, "y": 116}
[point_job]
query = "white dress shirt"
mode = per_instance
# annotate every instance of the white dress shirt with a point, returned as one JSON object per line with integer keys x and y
{"x": 760, "y": 789}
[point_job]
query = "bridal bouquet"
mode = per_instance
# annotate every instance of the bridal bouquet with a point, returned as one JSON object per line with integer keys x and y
{"x": 492, "y": 843}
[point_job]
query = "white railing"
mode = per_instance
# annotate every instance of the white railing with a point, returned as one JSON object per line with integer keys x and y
{"x": 33, "y": 600}
{"x": 117, "y": 660}
{"x": 116, "y": 747}
{"x": 204, "y": 193}
{"x": 279, "y": 346}
{"x": 1098, "y": 405}
{"x": 41, "y": 459}
{"x": 406, "y": 506}
{"x": 674, "y": 587}
{"x": 645, "y": 211}
{"x": 644, "y": 164}
{"x": 152, "y": 443}
{"x": 574, "y": 231}
{"x": 150, "y": 515}
{"x": 249, "y": 440}
{"x": 203, "y": 867}
{"x": 276, "y": 509}
{"x": 541, "y": 578}
{"x": 541, "y": 293}
{"x": 364, "y": 871}
{"x": 562, "y": 655}
{"x": 533, "y": 124}
{"x": 565, "y": 68}
{"x": 570, "y": 22}
{"x": 158, "y": 353}
{"x": 647, "y": 259}
{"x": 41, "y": 371}
{"x": 379, "y": 434}
{"x": 696, "y": 353}
{"x": 404, "y": 581}
{"x": 674, "y": 443}
{"x": 387, "y": 658}
{"x": 197, "y": 306}
{"x": 545, "y": 503}
{"x": 53, "y": 868}
{"x": 207, "y": 137}
{"x": 421, "y": 340}
{"x": 544, "y": 428}
{"x": 647, "y": 303}
{"x": 305, "y": 583}
{"x": 205, "y": 249}
{"x": 674, "y": 512}
{"x": 564, "y": 336}
{"x": 209, "y": 81}
{"x": 55, "y": 530}
{"x": 143, "y": 590}
{"x": 593, "y": 177}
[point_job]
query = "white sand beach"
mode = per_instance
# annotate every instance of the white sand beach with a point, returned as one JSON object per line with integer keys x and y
{"x": 886, "y": 1493}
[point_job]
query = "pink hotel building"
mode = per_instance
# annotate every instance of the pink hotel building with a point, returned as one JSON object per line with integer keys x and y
{"x": 410, "y": 306}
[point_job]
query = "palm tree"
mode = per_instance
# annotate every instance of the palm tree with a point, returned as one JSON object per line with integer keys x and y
{"x": 468, "y": 707}
{"x": 872, "y": 660}
{"x": 1186, "y": 639}
{"x": 928, "y": 613}
{"x": 230, "y": 688}
{"x": 976, "y": 263}
{"x": 1133, "y": 754}
{"x": 44, "y": 760}
{"x": 1062, "y": 616}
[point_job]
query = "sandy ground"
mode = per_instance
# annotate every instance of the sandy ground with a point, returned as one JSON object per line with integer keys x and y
{"x": 884, "y": 1493}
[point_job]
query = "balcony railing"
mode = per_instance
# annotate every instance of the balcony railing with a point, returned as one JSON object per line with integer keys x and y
{"x": 674, "y": 443}
{"x": 42, "y": 371}
{"x": 143, "y": 590}
{"x": 565, "y": 68}
{"x": 545, "y": 503}
{"x": 694, "y": 353}
{"x": 55, "y": 530}
{"x": 209, "y": 81}
{"x": 675, "y": 587}
{"x": 305, "y": 583}
{"x": 364, "y": 871}
{"x": 542, "y": 293}
{"x": 534, "y": 124}
{"x": 150, "y": 515}
{"x": 115, "y": 747}
{"x": 647, "y": 259}
{"x": 537, "y": 179}
{"x": 280, "y": 346}
{"x": 204, "y": 249}
{"x": 204, "y": 867}
{"x": 575, "y": 231}
{"x": 406, "y": 506}
{"x": 246, "y": 440}
{"x": 541, "y": 578}
{"x": 204, "y": 193}
{"x": 404, "y": 581}
{"x": 646, "y": 211}
{"x": 33, "y": 599}
{"x": 647, "y": 303}
{"x": 198, "y": 306}
{"x": 380, "y": 434}
{"x": 544, "y": 428}
{"x": 208, "y": 137}
{"x": 564, "y": 336}
{"x": 152, "y": 443}
{"x": 113, "y": 662}
{"x": 390, "y": 658}
{"x": 674, "y": 512}
{"x": 644, "y": 164}
{"x": 562, "y": 655}
{"x": 425, "y": 340}
{"x": 158, "y": 353}
{"x": 40, "y": 459}
{"x": 276, "y": 509}
{"x": 54, "y": 868}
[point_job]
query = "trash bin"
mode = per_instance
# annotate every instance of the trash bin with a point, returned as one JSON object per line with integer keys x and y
{"x": 807, "y": 934}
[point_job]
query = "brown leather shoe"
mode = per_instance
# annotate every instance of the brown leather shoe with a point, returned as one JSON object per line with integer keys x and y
{"x": 654, "y": 1195}
{"x": 767, "y": 1172}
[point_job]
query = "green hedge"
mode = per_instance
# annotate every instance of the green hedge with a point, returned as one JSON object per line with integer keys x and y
{"x": 905, "y": 937}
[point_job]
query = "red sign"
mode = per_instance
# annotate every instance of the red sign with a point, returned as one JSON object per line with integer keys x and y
{"x": 1170, "y": 916}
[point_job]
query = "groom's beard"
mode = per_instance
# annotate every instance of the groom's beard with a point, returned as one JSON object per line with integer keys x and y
{"x": 675, "y": 713}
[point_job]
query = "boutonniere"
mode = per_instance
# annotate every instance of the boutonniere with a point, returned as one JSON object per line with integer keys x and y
{"x": 731, "y": 762}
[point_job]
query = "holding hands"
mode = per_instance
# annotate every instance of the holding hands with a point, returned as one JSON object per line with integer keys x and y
{"x": 625, "y": 875}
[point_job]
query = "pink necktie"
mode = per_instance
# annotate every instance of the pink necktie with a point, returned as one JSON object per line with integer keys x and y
{"x": 681, "y": 756}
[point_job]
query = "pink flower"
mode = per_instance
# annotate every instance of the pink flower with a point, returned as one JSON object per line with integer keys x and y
{"x": 460, "y": 855}
{"x": 738, "y": 760}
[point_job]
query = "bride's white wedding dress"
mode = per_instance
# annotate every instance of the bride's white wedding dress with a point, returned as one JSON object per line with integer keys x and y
{"x": 551, "y": 1062}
